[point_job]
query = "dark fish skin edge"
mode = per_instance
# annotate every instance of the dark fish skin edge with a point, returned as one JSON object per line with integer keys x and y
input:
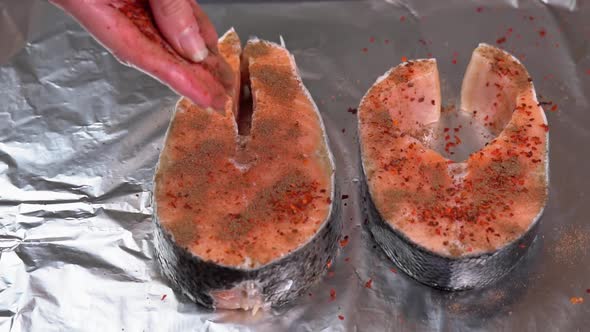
{"x": 446, "y": 273}
{"x": 304, "y": 266}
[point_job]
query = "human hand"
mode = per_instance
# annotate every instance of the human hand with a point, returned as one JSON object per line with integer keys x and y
{"x": 172, "y": 40}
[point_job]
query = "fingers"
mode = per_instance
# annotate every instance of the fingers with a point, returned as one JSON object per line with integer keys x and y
{"x": 126, "y": 30}
{"x": 178, "y": 23}
{"x": 208, "y": 31}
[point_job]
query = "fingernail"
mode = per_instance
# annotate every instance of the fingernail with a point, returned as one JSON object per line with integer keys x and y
{"x": 193, "y": 44}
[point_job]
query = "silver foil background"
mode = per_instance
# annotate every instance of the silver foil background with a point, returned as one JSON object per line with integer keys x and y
{"x": 80, "y": 136}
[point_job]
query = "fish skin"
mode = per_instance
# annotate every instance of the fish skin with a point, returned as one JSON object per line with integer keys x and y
{"x": 278, "y": 281}
{"x": 466, "y": 271}
{"x": 196, "y": 278}
{"x": 437, "y": 271}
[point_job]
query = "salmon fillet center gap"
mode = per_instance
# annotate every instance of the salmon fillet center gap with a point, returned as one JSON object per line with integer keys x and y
{"x": 245, "y": 218}
{"x": 455, "y": 224}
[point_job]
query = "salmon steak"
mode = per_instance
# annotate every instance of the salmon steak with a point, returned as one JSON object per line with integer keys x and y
{"x": 247, "y": 221}
{"x": 454, "y": 224}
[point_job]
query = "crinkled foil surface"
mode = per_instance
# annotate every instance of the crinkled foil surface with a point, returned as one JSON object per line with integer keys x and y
{"x": 80, "y": 136}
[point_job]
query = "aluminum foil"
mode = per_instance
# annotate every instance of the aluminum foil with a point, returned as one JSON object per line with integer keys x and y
{"x": 80, "y": 136}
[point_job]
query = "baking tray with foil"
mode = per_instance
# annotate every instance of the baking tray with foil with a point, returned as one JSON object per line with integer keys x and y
{"x": 80, "y": 136}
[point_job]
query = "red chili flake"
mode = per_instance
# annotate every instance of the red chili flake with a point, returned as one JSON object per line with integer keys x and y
{"x": 576, "y": 300}
{"x": 546, "y": 127}
{"x": 554, "y": 108}
{"x": 344, "y": 241}
{"x": 531, "y": 18}
{"x": 588, "y": 72}
{"x": 479, "y": 9}
{"x": 393, "y": 270}
{"x": 542, "y": 32}
{"x": 454, "y": 61}
{"x": 404, "y": 59}
{"x": 522, "y": 246}
{"x": 386, "y": 41}
{"x": 446, "y": 130}
{"x": 352, "y": 110}
{"x": 332, "y": 294}
{"x": 372, "y": 40}
{"x": 421, "y": 99}
{"x": 369, "y": 283}
{"x": 340, "y": 317}
{"x": 344, "y": 196}
{"x": 501, "y": 40}
{"x": 329, "y": 264}
{"x": 163, "y": 297}
{"x": 588, "y": 290}
{"x": 402, "y": 18}
{"x": 365, "y": 50}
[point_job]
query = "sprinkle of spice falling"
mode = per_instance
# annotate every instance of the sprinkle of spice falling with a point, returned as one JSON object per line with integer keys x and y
{"x": 340, "y": 317}
{"x": 576, "y": 300}
{"x": 369, "y": 283}
{"x": 332, "y": 294}
{"x": 163, "y": 297}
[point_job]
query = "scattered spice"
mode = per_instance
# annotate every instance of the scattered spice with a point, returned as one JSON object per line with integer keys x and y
{"x": 588, "y": 290}
{"x": 332, "y": 294}
{"x": 501, "y": 40}
{"x": 573, "y": 246}
{"x": 163, "y": 297}
{"x": 372, "y": 40}
{"x": 393, "y": 270}
{"x": 352, "y": 110}
{"x": 554, "y": 108}
{"x": 542, "y": 32}
{"x": 404, "y": 59}
{"x": 369, "y": 283}
{"x": 344, "y": 241}
{"x": 340, "y": 317}
{"x": 479, "y": 9}
{"x": 576, "y": 300}
{"x": 344, "y": 196}
{"x": 365, "y": 50}
{"x": 402, "y": 18}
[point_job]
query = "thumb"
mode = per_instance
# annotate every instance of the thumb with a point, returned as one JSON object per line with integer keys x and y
{"x": 178, "y": 24}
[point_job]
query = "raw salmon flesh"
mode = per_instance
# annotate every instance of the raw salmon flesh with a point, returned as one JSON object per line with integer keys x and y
{"x": 455, "y": 225}
{"x": 247, "y": 221}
